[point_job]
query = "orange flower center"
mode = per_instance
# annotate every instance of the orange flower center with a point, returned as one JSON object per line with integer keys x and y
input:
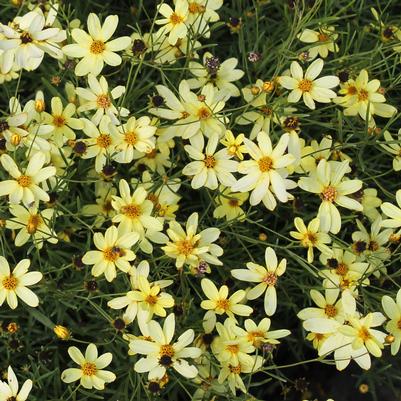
{"x": 89, "y": 369}
{"x": 364, "y": 334}
{"x": 166, "y": 350}
{"x": 305, "y": 85}
{"x": 58, "y": 121}
{"x": 330, "y": 310}
{"x": 209, "y": 161}
{"x": 203, "y": 113}
{"x": 235, "y": 369}
{"x": 131, "y": 138}
{"x": 104, "y": 141}
{"x": 10, "y": 283}
{"x": 34, "y": 222}
{"x": 195, "y": 8}
{"x": 270, "y": 279}
{"x": 233, "y": 202}
{"x": 103, "y": 101}
{"x": 112, "y": 254}
{"x": 309, "y": 239}
{"x": 24, "y": 181}
{"x": 233, "y": 348}
{"x": 329, "y": 194}
{"x": 363, "y": 95}
{"x": 352, "y": 90}
{"x": 97, "y": 47}
{"x": 151, "y": 299}
{"x": 323, "y": 37}
{"x": 185, "y": 247}
{"x": 342, "y": 269}
{"x": 223, "y": 304}
{"x": 399, "y": 324}
{"x": 132, "y": 211}
{"x": 265, "y": 164}
{"x": 176, "y": 19}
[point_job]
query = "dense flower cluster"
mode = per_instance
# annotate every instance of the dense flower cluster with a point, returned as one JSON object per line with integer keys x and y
{"x": 153, "y": 201}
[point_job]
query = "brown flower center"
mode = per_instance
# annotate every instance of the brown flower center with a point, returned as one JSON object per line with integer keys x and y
{"x": 151, "y": 299}
{"x": 210, "y": 161}
{"x": 323, "y": 37}
{"x": 10, "y": 283}
{"x": 26, "y": 38}
{"x": 352, "y": 90}
{"x": 329, "y": 194}
{"x": 233, "y": 202}
{"x": 89, "y": 369}
{"x": 203, "y": 113}
{"x": 24, "y": 181}
{"x": 342, "y": 269}
{"x": 309, "y": 239}
{"x": 305, "y": 85}
{"x": 235, "y": 369}
{"x": 112, "y": 254}
{"x": 233, "y": 348}
{"x": 97, "y": 47}
{"x": 265, "y": 164}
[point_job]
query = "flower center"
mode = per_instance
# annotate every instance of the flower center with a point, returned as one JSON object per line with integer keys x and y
{"x": 399, "y": 324}
{"x": 152, "y": 154}
{"x": 176, "y": 19}
{"x": 34, "y": 222}
{"x": 26, "y": 38}
{"x": 352, "y": 90}
{"x": 132, "y": 211}
{"x": 151, "y": 299}
{"x": 373, "y": 246}
{"x": 329, "y": 194}
{"x": 267, "y": 111}
{"x": 235, "y": 369}
{"x": 166, "y": 350}
{"x": 103, "y": 101}
{"x": 309, "y": 239}
{"x": 131, "y": 138}
{"x": 233, "y": 202}
{"x": 363, "y": 95}
{"x": 209, "y": 161}
{"x": 104, "y": 141}
{"x": 305, "y": 85}
{"x": 89, "y": 369}
{"x": 323, "y": 37}
{"x": 330, "y": 310}
{"x": 58, "y": 121}
{"x": 97, "y": 47}
{"x": 112, "y": 254}
{"x": 203, "y": 113}
{"x": 4, "y": 126}
{"x": 185, "y": 247}
{"x": 195, "y": 8}
{"x": 223, "y": 304}
{"x": 342, "y": 269}
{"x": 270, "y": 279}
{"x": 10, "y": 283}
{"x": 233, "y": 348}
{"x": 253, "y": 337}
{"x": 364, "y": 334}
{"x": 265, "y": 164}
{"x": 24, "y": 181}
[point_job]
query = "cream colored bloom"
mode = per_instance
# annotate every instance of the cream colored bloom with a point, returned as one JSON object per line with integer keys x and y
{"x": 9, "y": 391}
{"x": 363, "y": 97}
{"x": 393, "y": 311}
{"x": 62, "y": 121}
{"x": 161, "y": 354}
{"x": 323, "y": 41}
{"x": 190, "y": 248}
{"x": 98, "y": 98}
{"x": 392, "y": 212}
{"x": 229, "y": 205}
{"x": 219, "y": 303}
{"x": 266, "y": 277}
{"x": 25, "y": 186}
{"x": 32, "y": 224}
{"x": 210, "y": 167}
{"x": 201, "y": 13}
{"x": 311, "y": 237}
{"x": 14, "y": 284}
{"x": 393, "y": 146}
{"x": 174, "y": 20}
{"x": 90, "y": 373}
{"x": 234, "y": 145}
{"x": 114, "y": 250}
{"x": 307, "y": 86}
{"x": 135, "y": 135}
{"x": 265, "y": 173}
{"x": 96, "y": 48}
{"x": 328, "y": 182}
